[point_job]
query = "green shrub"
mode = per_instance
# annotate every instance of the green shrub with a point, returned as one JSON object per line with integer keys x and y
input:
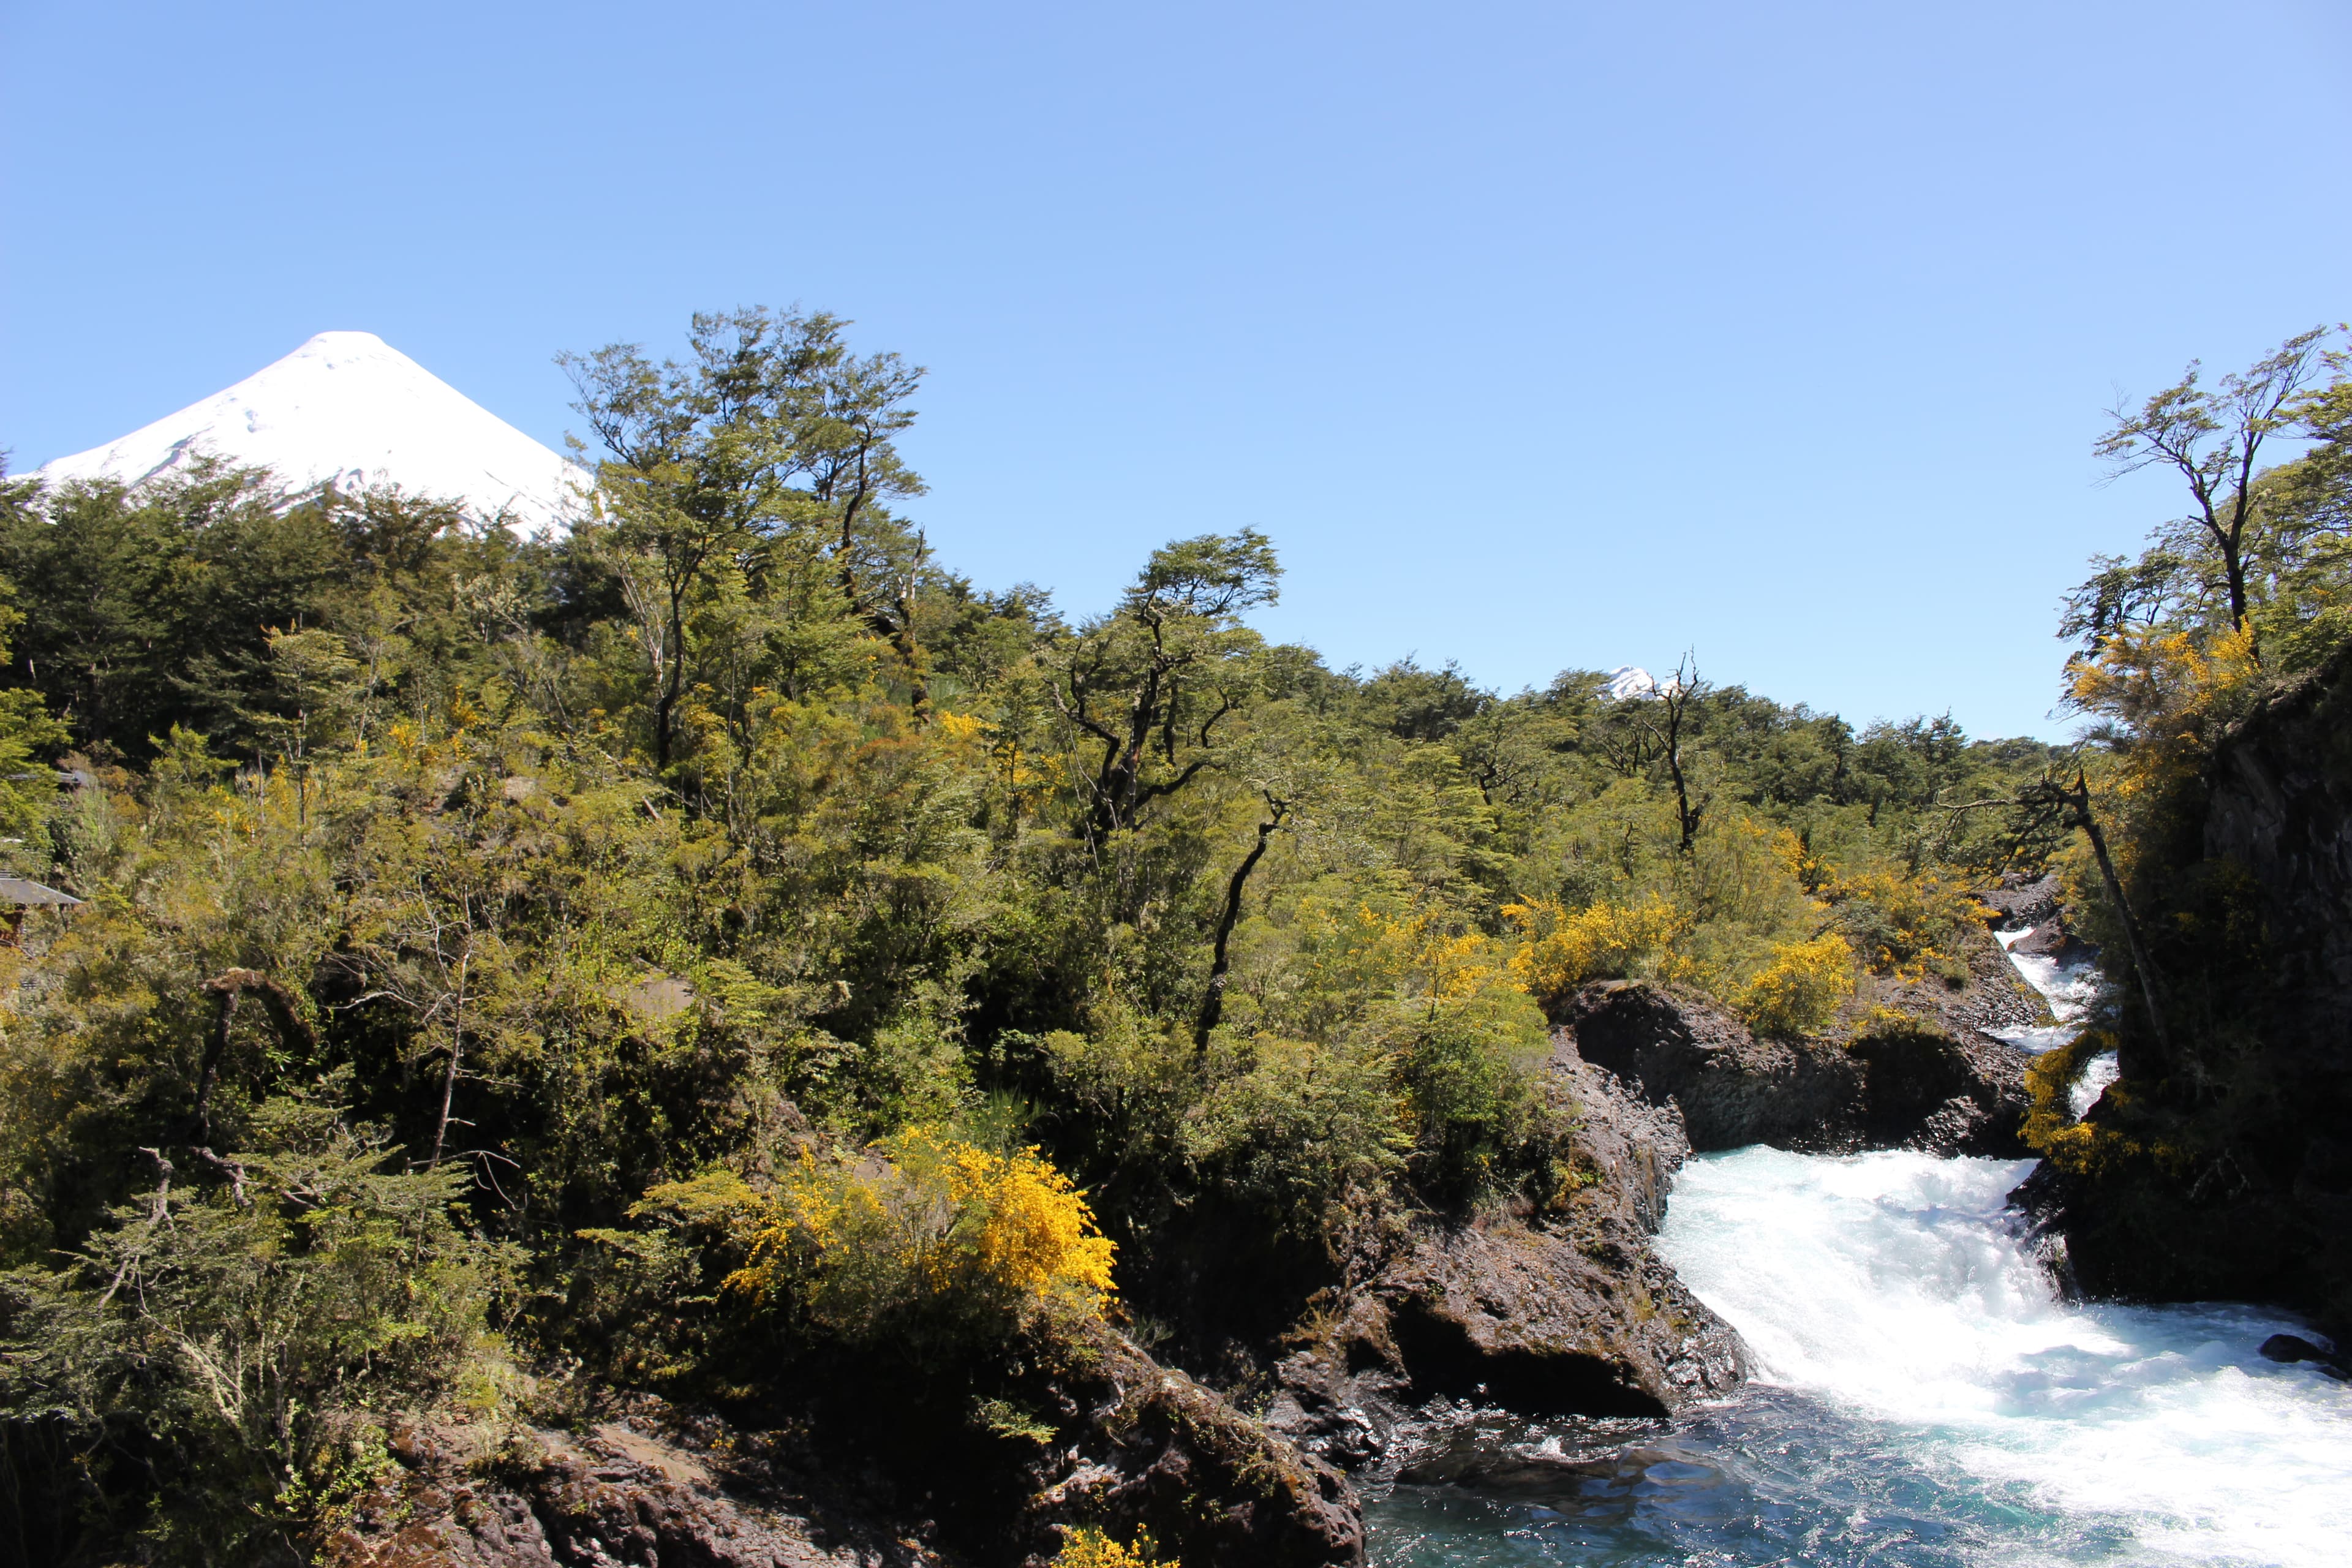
{"x": 1467, "y": 1066}
{"x": 239, "y": 1336}
{"x": 1300, "y": 1127}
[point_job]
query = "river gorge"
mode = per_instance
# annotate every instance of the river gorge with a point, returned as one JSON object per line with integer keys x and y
{"x": 1921, "y": 1394}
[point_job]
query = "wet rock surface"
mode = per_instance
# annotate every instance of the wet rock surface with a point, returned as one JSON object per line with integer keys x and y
{"x": 2036, "y": 908}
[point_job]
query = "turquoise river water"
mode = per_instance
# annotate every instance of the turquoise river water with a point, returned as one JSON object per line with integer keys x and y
{"x": 1922, "y": 1396}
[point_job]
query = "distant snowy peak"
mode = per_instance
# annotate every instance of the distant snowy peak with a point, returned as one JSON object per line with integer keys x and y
{"x": 1626, "y": 681}
{"x": 1630, "y": 682}
{"x": 349, "y": 409}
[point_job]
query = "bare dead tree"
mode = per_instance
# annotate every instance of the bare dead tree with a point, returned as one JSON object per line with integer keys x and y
{"x": 294, "y": 1032}
{"x": 423, "y": 961}
{"x": 1213, "y": 1005}
{"x": 2051, "y": 802}
{"x": 1667, "y": 723}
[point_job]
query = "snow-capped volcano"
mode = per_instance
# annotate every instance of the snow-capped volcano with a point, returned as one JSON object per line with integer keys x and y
{"x": 347, "y": 408}
{"x": 1628, "y": 681}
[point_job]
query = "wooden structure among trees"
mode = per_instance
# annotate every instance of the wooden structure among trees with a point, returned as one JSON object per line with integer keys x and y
{"x": 19, "y": 894}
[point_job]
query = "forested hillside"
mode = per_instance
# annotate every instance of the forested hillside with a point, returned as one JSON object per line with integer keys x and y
{"x": 721, "y": 952}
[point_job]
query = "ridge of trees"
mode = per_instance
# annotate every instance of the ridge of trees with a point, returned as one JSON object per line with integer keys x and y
{"x": 634, "y": 910}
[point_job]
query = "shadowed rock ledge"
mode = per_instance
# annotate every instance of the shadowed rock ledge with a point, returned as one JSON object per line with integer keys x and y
{"x": 1908, "y": 1066}
{"x": 1089, "y": 1431}
{"x": 1567, "y": 1311}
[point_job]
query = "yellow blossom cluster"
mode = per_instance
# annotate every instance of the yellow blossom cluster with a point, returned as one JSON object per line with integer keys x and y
{"x": 927, "y": 1214}
{"x": 1410, "y": 952}
{"x": 1090, "y": 1548}
{"x": 1800, "y": 989}
{"x": 1560, "y": 951}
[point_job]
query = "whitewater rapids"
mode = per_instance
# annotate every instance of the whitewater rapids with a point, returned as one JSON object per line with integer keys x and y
{"x": 1922, "y": 1396}
{"x": 1894, "y": 1288}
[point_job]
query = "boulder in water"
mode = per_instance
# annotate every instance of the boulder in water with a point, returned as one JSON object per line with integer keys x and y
{"x": 2292, "y": 1348}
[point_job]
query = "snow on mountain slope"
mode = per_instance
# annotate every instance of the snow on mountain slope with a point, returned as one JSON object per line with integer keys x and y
{"x": 1628, "y": 681}
{"x": 346, "y": 409}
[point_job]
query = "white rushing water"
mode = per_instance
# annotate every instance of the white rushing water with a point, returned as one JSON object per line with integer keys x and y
{"x": 2070, "y": 989}
{"x": 1922, "y": 1395}
{"x": 1893, "y": 1287}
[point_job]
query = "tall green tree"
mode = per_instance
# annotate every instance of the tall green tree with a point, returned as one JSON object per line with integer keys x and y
{"x": 1147, "y": 685}
{"x": 2212, "y": 437}
{"x": 773, "y": 448}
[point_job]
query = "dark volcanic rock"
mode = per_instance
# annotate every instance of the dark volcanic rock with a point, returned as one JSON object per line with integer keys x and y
{"x": 1105, "y": 1437}
{"x": 1902, "y": 1079}
{"x": 2019, "y": 902}
{"x": 2254, "y": 946}
{"x": 625, "y": 1491}
{"x": 1567, "y": 1311}
{"x": 2293, "y": 1348}
{"x": 1524, "y": 1317}
{"x": 1157, "y": 1451}
{"x": 1677, "y": 1046}
{"x": 2037, "y": 909}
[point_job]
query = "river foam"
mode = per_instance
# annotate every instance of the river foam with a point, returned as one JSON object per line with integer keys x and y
{"x": 1921, "y": 1397}
{"x": 1892, "y": 1287}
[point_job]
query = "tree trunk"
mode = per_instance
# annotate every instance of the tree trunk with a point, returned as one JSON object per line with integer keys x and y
{"x": 2145, "y": 972}
{"x": 1212, "y": 1006}
{"x": 457, "y": 1052}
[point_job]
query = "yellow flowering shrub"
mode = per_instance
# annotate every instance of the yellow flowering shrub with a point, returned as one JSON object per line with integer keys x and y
{"x": 1394, "y": 953}
{"x": 1559, "y": 950}
{"x": 1902, "y": 925}
{"x": 2164, "y": 683}
{"x": 2084, "y": 1148}
{"x": 1800, "y": 990}
{"x": 1802, "y": 861}
{"x": 924, "y": 1221}
{"x": 1090, "y": 1548}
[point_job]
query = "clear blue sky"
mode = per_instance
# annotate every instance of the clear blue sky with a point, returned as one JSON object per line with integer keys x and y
{"x": 1537, "y": 336}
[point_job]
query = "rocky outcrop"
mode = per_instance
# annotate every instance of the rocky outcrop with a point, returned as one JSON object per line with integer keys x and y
{"x": 1563, "y": 1311}
{"x": 1085, "y": 1429}
{"x": 2036, "y": 908}
{"x": 631, "y": 1490}
{"x": 1676, "y": 1047}
{"x": 1142, "y": 1447}
{"x": 1896, "y": 1078}
{"x": 2229, "y": 1173}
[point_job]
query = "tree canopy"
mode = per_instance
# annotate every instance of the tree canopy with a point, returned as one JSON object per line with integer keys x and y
{"x": 728, "y": 890}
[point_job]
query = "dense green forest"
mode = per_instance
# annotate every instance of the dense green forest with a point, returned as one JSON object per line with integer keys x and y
{"x": 721, "y": 942}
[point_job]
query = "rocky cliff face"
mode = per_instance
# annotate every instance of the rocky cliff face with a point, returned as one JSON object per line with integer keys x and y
{"x": 1910, "y": 1068}
{"x": 2234, "y": 1176}
{"x": 1084, "y": 1430}
{"x": 1567, "y": 1310}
